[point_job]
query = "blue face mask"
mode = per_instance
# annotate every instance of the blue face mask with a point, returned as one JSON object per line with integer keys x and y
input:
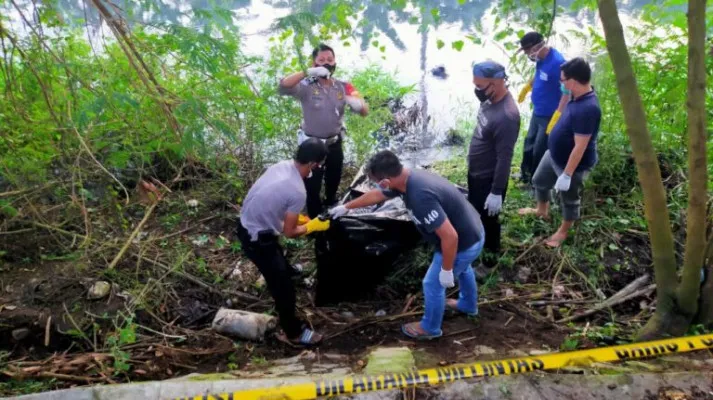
{"x": 564, "y": 89}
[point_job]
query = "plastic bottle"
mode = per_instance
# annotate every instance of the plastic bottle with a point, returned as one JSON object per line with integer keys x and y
{"x": 243, "y": 324}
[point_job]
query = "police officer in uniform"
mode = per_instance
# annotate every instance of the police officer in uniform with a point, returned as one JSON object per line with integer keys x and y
{"x": 323, "y": 101}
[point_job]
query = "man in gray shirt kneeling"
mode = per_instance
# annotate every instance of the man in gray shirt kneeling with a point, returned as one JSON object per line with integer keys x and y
{"x": 272, "y": 207}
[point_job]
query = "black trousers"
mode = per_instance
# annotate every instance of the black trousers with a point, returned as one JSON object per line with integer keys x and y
{"x": 266, "y": 253}
{"x": 534, "y": 148}
{"x": 478, "y": 191}
{"x": 331, "y": 173}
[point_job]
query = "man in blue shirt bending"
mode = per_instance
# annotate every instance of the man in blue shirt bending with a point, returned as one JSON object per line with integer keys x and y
{"x": 547, "y": 100}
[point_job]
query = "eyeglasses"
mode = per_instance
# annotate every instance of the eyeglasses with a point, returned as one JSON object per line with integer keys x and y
{"x": 534, "y": 49}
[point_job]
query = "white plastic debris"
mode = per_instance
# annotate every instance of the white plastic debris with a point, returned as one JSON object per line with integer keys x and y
{"x": 236, "y": 273}
{"x": 380, "y": 313}
{"x": 243, "y": 324}
{"x": 200, "y": 240}
{"x": 192, "y": 203}
{"x": 99, "y": 290}
{"x": 558, "y": 290}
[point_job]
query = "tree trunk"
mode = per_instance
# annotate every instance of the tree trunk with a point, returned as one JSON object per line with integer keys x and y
{"x": 705, "y": 301}
{"x": 657, "y": 216}
{"x": 688, "y": 290}
{"x": 668, "y": 320}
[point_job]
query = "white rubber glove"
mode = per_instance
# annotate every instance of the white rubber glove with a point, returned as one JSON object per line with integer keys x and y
{"x": 319, "y": 72}
{"x": 338, "y": 211}
{"x": 494, "y": 204}
{"x": 563, "y": 183}
{"x": 446, "y": 278}
{"x": 355, "y": 103}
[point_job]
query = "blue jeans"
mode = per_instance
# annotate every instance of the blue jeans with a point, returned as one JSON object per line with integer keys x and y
{"x": 435, "y": 294}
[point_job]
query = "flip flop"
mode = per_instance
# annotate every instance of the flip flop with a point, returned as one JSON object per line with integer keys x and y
{"x": 453, "y": 308}
{"x": 408, "y": 330}
{"x": 307, "y": 338}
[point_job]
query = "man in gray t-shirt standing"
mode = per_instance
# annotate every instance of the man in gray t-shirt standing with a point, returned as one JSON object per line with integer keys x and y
{"x": 272, "y": 207}
{"x": 323, "y": 101}
{"x": 446, "y": 219}
{"x": 490, "y": 153}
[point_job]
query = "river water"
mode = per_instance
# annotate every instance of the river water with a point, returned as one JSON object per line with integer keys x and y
{"x": 409, "y": 54}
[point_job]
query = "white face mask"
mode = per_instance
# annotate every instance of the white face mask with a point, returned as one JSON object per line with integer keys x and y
{"x": 534, "y": 56}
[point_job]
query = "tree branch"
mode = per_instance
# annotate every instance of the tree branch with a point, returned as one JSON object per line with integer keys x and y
{"x": 649, "y": 173}
{"x": 689, "y": 288}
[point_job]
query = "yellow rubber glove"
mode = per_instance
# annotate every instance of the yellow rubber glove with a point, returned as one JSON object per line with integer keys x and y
{"x": 553, "y": 121}
{"x": 302, "y": 219}
{"x": 316, "y": 225}
{"x": 525, "y": 90}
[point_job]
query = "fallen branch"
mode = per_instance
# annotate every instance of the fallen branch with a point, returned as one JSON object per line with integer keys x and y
{"x": 160, "y": 333}
{"x": 408, "y": 303}
{"x": 197, "y": 281}
{"x": 614, "y": 300}
{"x": 184, "y": 230}
{"x": 460, "y": 332}
{"x": 48, "y": 325}
{"x": 69, "y": 377}
{"x": 524, "y": 253}
{"x": 99, "y": 164}
{"x": 630, "y": 288}
{"x": 79, "y": 330}
{"x": 503, "y": 299}
{"x": 132, "y": 236}
{"x": 17, "y": 231}
{"x": 364, "y": 324}
{"x": 60, "y": 230}
{"x": 540, "y": 303}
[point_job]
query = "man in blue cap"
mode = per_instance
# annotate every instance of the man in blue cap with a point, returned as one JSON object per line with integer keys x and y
{"x": 490, "y": 153}
{"x": 547, "y": 100}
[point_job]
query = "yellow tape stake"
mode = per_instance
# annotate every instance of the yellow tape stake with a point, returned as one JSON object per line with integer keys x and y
{"x": 437, "y": 376}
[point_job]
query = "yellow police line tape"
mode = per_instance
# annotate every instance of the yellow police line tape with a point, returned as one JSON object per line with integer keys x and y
{"x": 437, "y": 376}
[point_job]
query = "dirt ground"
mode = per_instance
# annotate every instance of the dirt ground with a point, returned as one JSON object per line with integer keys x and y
{"x": 155, "y": 323}
{"x": 50, "y": 301}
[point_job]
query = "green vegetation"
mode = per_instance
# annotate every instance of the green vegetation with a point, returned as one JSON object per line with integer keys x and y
{"x": 187, "y": 110}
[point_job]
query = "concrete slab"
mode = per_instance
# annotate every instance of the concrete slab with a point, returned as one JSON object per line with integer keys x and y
{"x": 539, "y": 386}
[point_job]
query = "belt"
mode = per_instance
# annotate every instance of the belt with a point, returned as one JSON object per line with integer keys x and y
{"x": 263, "y": 237}
{"x": 328, "y": 140}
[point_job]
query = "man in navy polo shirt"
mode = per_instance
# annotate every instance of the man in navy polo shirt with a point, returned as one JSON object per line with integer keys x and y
{"x": 572, "y": 149}
{"x": 547, "y": 100}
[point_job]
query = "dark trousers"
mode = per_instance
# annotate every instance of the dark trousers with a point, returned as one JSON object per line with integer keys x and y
{"x": 478, "y": 190}
{"x": 331, "y": 173}
{"x": 266, "y": 253}
{"x": 534, "y": 147}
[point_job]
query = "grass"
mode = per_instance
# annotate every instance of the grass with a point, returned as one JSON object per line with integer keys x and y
{"x": 17, "y": 388}
{"x": 606, "y": 249}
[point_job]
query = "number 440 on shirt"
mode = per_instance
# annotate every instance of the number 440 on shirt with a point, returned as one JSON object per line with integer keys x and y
{"x": 428, "y": 219}
{"x": 431, "y": 217}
